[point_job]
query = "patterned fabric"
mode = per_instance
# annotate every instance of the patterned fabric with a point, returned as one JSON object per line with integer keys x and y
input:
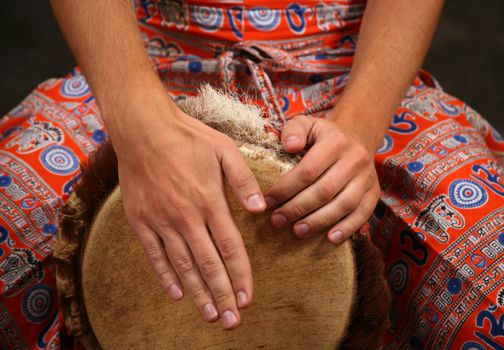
{"x": 42, "y": 143}
{"x": 440, "y": 220}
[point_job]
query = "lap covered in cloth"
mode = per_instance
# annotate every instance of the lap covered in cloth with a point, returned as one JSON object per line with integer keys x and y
{"x": 440, "y": 220}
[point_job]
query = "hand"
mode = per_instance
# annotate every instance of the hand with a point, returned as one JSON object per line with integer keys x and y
{"x": 335, "y": 183}
{"x": 172, "y": 175}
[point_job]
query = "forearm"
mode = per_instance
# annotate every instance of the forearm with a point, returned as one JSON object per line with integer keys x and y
{"x": 393, "y": 42}
{"x": 104, "y": 37}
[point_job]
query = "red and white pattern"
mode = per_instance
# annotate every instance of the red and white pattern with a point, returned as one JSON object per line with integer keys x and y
{"x": 440, "y": 220}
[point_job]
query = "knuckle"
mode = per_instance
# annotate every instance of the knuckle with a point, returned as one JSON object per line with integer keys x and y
{"x": 349, "y": 204}
{"x": 295, "y": 211}
{"x": 338, "y": 142}
{"x": 228, "y": 248}
{"x": 183, "y": 263}
{"x": 239, "y": 278}
{"x": 243, "y": 179}
{"x": 199, "y": 293}
{"x": 152, "y": 251}
{"x": 206, "y": 199}
{"x": 307, "y": 174}
{"x": 209, "y": 266}
{"x": 325, "y": 192}
{"x": 323, "y": 221}
{"x": 366, "y": 209}
{"x": 221, "y": 298}
{"x": 362, "y": 155}
{"x": 372, "y": 204}
{"x": 180, "y": 214}
{"x": 352, "y": 227}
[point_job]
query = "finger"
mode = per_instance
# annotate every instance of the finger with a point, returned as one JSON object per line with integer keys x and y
{"x": 233, "y": 253}
{"x": 183, "y": 262}
{"x": 311, "y": 166}
{"x": 155, "y": 251}
{"x": 215, "y": 275}
{"x": 313, "y": 197}
{"x": 242, "y": 181}
{"x": 295, "y": 133}
{"x": 344, "y": 203}
{"x": 353, "y": 222}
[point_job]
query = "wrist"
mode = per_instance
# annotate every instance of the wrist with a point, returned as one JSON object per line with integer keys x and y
{"x": 136, "y": 119}
{"x": 364, "y": 122}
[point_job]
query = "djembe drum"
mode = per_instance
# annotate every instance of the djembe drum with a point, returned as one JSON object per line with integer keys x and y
{"x": 308, "y": 294}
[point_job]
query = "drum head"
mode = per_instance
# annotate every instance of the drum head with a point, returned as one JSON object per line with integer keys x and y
{"x": 303, "y": 289}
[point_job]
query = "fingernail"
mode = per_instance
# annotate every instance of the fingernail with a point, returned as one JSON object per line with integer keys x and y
{"x": 228, "y": 319}
{"x": 302, "y": 230}
{"x": 210, "y": 312}
{"x": 270, "y": 201}
{"x": 175, "y": 291}
{"x": 278, "y": 220}
{"x": 336, "y": 236}
{"x": 256, "y": 202}
{"x": 292, "y": 141}
{"x": 242, "y": 299}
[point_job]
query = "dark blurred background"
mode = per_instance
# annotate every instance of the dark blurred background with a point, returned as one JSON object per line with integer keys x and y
{"x": 467, "y": 55}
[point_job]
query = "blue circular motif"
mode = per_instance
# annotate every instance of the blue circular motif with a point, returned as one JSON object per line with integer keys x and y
{"x": 454, "y": 285}
{"x": 387, "y": 145}
{"x": 68, "y": 186}
{"x": 460, "y": 138}
{"x": 12, "y": 130}
{"x": 5, "y": 181}
{"x": 49, "y": 229}
{"x": 99, "y": 136}
{"x": 431, "y": 315}
{"x": 448, "y": 109}
{"x": 470, "y": 345}
{"x": 415, "y": 167}
{"x": 207, "y": 18}
{"x": 76, "y": 86}
{"x": 59, "y": 160}
{"x": 285, "y": 104}
{"x": 478, "y": 260}
{"x": 466, "y": 193}
{"x": 263, "y": 18}
{"x": 4, "y": 234}
{"x": 398, "y": 276}
{"x": 501, "y": 238}
{"x": 195, "y": 66}
{"x": 28, "y": 203}
{"x": 320, "y": 56}
{"x": 37, "y": 303}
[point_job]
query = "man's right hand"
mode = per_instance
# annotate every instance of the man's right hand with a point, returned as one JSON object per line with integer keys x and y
{"x": 172, "y": 183}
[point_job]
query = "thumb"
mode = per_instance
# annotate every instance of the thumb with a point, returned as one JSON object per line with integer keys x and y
{"x": 242, "y": 182}
{"x": 295, "y": 133}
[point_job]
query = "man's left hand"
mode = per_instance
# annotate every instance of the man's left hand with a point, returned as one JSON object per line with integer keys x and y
{"x": 334, "y": 185}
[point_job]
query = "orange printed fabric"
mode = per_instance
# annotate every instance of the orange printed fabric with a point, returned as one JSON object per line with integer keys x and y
{"x": 440, "y": 220}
